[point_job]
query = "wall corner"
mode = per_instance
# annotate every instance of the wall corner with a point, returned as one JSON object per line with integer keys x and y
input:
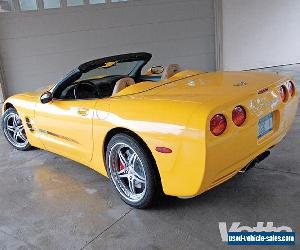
{"x": 218, "y": 9}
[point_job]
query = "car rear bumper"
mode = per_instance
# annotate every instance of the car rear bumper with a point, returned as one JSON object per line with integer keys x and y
{"x": 208, "y": 161}
{"x": 226, "y": 157}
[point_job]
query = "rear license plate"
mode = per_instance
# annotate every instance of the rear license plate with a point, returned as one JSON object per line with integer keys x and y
{"x": 265, "y": 125}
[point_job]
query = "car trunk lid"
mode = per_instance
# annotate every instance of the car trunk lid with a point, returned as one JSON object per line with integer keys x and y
{"x": 220, "y": 87}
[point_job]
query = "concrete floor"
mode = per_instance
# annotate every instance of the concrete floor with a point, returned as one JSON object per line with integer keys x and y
{"x": 48, "y": 202}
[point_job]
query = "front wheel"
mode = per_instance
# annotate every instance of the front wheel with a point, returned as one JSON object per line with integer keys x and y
{"x": 14, "y": 130}
{"x": 131, "y": 171}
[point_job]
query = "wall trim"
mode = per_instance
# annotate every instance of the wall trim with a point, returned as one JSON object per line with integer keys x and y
{"x": 2, "y": 83}
{"x": 3, "y": 93}
{"x": 2, "y": 87}
{"x": 218, "y": 8}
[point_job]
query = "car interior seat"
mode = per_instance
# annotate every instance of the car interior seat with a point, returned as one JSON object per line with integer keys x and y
{"x": 170, "y": 71}
{"x": 122, "y": 84}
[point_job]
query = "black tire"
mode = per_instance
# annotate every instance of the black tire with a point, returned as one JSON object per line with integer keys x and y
{"x": 152, "y": 182}
{"x": 22, "y": 145}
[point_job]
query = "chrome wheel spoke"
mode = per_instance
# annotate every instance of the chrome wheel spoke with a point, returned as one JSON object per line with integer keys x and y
{"x": 15, "y": 123}
{"x": 22, "y": 137}
{"x": 16, "y": 136}
{"x": 131, "y": 185}
{"x": 10, "y": 128}
{"x": 122, "y": 158}
{"x": 139, "y": 178}
{"x": 121, "y": 172}
{"x": 123, "y": 175}
{"x": 132, "y": 159}
{"x": 134, "y": 163}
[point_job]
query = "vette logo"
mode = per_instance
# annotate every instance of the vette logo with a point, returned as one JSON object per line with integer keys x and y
{"x": 259, "y": 104}
{"x": 236, "y": 227}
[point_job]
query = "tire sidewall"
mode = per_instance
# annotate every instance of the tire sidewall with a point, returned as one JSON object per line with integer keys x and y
{"x": 151, "y": 186}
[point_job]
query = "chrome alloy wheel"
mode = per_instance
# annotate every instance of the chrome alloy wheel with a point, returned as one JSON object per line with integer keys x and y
{"x": 127, "y": 172}
{"x": 14, "y": 130}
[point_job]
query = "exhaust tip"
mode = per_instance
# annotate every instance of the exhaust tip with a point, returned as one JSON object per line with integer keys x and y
{"x": 257, "y": 160}
{"x": 263, "y": 156}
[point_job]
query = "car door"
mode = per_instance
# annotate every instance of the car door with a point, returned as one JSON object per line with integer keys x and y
{"x": 65, "y": 127}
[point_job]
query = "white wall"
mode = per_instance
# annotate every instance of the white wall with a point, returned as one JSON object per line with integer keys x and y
{"x": 260, "y": 33}
{"x": 37, "y": 48}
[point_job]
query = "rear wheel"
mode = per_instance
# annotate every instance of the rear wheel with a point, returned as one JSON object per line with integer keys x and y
{"x": 14, "y": 130}
{"x": 131, "y": 171}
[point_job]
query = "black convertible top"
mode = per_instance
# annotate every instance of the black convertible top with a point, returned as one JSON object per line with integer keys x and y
{"x": 140, "y": 56}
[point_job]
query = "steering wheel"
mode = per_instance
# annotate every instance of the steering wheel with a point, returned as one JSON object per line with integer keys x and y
{"x": 86, "y": 89}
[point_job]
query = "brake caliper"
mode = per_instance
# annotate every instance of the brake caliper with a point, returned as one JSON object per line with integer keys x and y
{"x": 121, "y": 166}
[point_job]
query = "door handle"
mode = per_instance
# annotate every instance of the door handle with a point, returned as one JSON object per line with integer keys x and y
{"x": 82, "y": 111}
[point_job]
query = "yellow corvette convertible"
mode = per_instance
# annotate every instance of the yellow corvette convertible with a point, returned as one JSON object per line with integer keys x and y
{"x": 182, "y": 132}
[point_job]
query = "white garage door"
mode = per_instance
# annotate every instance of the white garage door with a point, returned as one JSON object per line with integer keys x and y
{"x": 38, "y": 47}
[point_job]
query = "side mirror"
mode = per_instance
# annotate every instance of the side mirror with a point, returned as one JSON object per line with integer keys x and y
{"x": 46, "y": 97}
{"x": 156, "y": 70}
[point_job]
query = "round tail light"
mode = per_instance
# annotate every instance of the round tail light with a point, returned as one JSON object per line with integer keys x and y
{"x": 283, "y": 93}
{"x": 291, "y": 88}
{"x": 239, "y": 116}
{"x": 218, "y": 124}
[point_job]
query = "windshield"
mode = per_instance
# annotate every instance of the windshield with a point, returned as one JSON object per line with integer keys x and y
{"x": 110, "y": 69}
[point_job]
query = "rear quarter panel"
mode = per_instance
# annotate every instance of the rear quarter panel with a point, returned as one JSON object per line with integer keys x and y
{"x": 158, "y": 123}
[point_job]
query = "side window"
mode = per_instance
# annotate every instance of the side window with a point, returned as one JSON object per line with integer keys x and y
{"x": 26, "y": 5}
{"x": 51, "y": 4}
{"x": 6, "y": 6}
{"x": 97, "y": 1}
{"x": 37, "y": 5}
{"x": 74, "y": 2}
